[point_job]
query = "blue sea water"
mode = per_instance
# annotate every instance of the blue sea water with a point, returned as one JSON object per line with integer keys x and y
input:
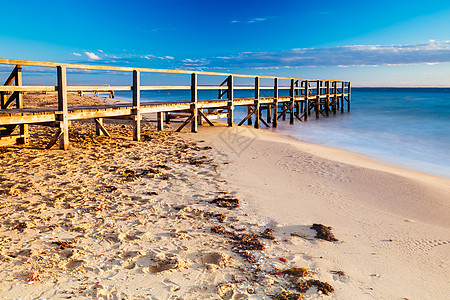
{"x": 406, "y": 127}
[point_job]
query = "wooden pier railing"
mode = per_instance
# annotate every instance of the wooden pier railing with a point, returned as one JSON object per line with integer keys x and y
{"x": 322, "y": 96}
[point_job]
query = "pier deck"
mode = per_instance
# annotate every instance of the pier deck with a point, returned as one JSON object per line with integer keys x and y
{"x": 305, "y": 96}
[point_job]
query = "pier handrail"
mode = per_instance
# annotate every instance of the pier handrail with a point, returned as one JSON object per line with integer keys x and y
{"x": 145, "y": 70}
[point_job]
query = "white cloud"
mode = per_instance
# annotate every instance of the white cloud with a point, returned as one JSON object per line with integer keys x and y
{"x": 92, "y": 56}
{"x": 76, "y": 54}
{"x": 344, "y": 56}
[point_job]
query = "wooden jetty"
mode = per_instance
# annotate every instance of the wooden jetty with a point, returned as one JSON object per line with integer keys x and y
{"x": 306, "y": 96}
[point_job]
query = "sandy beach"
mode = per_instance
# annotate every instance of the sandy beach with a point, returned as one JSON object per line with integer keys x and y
{"x": 222, "y": 214}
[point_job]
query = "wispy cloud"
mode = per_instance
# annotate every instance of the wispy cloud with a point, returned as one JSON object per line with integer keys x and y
{"x": 431, "y": 52}
{"x": 250, "y": 21}
{"x": 92, "y": 56}
{"x": 76, "y": 54}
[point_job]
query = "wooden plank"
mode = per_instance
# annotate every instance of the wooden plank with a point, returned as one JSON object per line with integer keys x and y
{"x": 126, "y": 69}
{"x": 28, "y": 88}
{"x": 12, "y": 76}
{"x": 99, "y": 88}
{"x": 202, "y": 114}
{"x": 63, "y": 108}
{"x": 55, "y": 138}
{"x": 100, "y": 128}
{"x": 23, "y": 128}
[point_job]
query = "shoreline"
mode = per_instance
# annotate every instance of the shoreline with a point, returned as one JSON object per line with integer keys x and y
{"x": 393, "y": 222}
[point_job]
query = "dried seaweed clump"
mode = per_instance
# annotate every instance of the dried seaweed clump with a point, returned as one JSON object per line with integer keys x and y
{"x": 242, "y": 242}
{"x": 324, "y": 232}
{"x": 296, "y": 271}
{"x": 228, "y": 202}
{"x": 323, "y": 287}
{"x": 267, "y": 234}
{"x": 286, "y": 295}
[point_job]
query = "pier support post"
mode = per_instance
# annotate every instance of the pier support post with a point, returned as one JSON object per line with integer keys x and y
{"x": 327, "y": 99}
{"x": 63, "y": 108}
{"x": 348, "y": 96}
{"x": 275, "y": 103}
{"x": 342, "y": 97}
{"x": 98, "y": 126}
{"x": 160, "y": 121}
{"x": 136, "y": 105}
{"x": 291, "y": 103}
{"x": 257, "y": 107}
{"x": 317, "y": 106}
{"x": 333, "y": 104}
{"x": 306, "y": 113}
{"x": 230, "y": 105}
{"x": 194, "y": 99}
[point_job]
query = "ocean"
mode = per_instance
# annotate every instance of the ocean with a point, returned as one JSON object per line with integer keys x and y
{"x": 405, "y": 127}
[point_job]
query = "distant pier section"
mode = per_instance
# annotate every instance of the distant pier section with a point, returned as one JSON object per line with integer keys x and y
{"x": 306, "y": 98}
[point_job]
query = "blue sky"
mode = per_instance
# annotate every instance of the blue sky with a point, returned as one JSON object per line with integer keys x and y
{"x": 371, "y": 43}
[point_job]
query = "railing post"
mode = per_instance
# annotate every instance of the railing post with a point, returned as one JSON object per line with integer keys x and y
{"x": 160, "y": 121}
{"x": 275, "y": 103}
{"x": 230, "y": 105}
{"x": 327, "y": 100}
{"x": 317, "y": 107}
{"x": 19, "y": 104}
{"x": 348, "y": 96}
{"x": 291, "y": 104}
{"x": 306, "y": 113}
{"x": 194, "y": 99}
{"x": 257, "y": 108}
{"x": 334, "y": 96}
{"x": 136, "y": 105}
{"x": 63, "y": 108}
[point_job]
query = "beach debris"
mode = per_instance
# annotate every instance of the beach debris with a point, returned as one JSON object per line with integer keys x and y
{"x": 296, "y": 271}
{"x": 286, "y": 295}
{"x": 226, "y": 201}
{"x": 340, "y": 273}
{"x": 324, "y": 232}
{"x": 63, "y": 245}
{"x": 267, "y": 234}
{"x": 21, "y": 226}
{"x": 34, "y": 276}
{"x": 283, "y": 259}
{"x": 323, "y": 287}
{"x": 221, "y": 217}
{"x": 197, "y": 161}
{"x": 152, "y": 193}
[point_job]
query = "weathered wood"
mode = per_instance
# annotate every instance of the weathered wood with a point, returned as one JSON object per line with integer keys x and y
{"x": 189, "y": 119}
{"x": 275, "y": 103}
{"x": 348, "y": 96}
{"x": 55, "y": 138}
{"x": 160, "y": 121}
{"x": 327, "y": 99}
{"x": 317, "y": 106}
{"x": 292, "y": 102}
{"x": 342, "y": 97}
{"x": 12, "y": 75}
{"x": 202, "y": 114}
{"x": 63, "y": 108}
{"x": 194, "y": 100}
{"x": 230, "y": 104}
{"x": 100, "y": 128}
{"x": 136, "y": 105}
{"x": 23, "y": 128}
{"x": 256, "y": 104}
